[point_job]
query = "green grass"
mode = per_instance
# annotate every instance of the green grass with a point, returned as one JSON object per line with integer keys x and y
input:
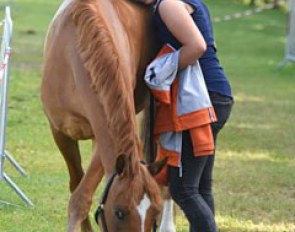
{"x": 254, "y": 174}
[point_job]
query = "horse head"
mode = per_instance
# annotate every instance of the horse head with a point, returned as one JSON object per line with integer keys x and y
{"x": 132, "y": 198}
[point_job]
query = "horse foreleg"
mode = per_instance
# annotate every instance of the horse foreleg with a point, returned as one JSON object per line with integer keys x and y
{"x": 167, "y": 222}
{"x": 70, "y": 151}
{"x": 81, "y": 198}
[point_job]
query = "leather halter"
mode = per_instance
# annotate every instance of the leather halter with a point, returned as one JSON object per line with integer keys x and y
{"x": 100, "y": 210}
{"x": 99, "y": 213}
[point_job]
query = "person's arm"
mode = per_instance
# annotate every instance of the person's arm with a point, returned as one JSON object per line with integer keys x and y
{"x": 179, "y": 22}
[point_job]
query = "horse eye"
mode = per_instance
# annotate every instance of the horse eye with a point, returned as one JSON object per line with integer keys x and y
{"x": 120, "y": 214}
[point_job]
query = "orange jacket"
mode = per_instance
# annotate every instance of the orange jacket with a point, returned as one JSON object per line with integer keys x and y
{"x": 168, "y": 119}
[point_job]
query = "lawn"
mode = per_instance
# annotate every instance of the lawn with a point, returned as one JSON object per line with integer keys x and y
{"x": 255, "y": 163}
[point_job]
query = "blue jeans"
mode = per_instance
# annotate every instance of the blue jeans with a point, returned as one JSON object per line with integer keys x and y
{"x": 193, "y": 191}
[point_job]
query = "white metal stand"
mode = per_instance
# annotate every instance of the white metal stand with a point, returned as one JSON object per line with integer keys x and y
{"x": 4, "y": 84}
{"x": 290, "y": 46}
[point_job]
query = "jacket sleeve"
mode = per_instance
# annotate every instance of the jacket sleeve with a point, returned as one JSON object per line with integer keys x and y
{"x": 161, "y": 73}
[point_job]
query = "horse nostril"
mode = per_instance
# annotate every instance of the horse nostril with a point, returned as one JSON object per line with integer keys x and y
{"x": 120, "y": 214}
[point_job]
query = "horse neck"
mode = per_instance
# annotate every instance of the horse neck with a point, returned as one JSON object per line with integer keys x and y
{"x": 136, "y": 22}
{"x": 132, "y": 33}
{"x": 104, "y": 47}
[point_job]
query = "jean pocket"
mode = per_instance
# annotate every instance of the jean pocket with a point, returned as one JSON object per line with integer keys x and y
{"x": 222, "y": 110}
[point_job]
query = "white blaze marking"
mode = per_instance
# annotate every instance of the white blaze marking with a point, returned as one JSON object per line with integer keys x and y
{"x": 142, "y": 209}
{"x": 167, "y": 223}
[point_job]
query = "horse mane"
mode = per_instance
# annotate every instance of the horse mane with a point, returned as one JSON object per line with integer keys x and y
{"x": 101, "y": 59}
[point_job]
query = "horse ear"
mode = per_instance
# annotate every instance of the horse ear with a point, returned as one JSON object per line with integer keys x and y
{"x": 156, "y": 167}
{"x": 121, "y": 164}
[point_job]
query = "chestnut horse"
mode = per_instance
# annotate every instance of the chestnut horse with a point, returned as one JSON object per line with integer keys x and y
{"x": 94, "y": 60}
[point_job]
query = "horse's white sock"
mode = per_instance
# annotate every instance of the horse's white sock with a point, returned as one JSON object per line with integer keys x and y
{"x": 167, "y": 223}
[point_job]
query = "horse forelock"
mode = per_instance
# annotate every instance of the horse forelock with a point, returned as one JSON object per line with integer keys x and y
{"x": 101, "y": 59}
